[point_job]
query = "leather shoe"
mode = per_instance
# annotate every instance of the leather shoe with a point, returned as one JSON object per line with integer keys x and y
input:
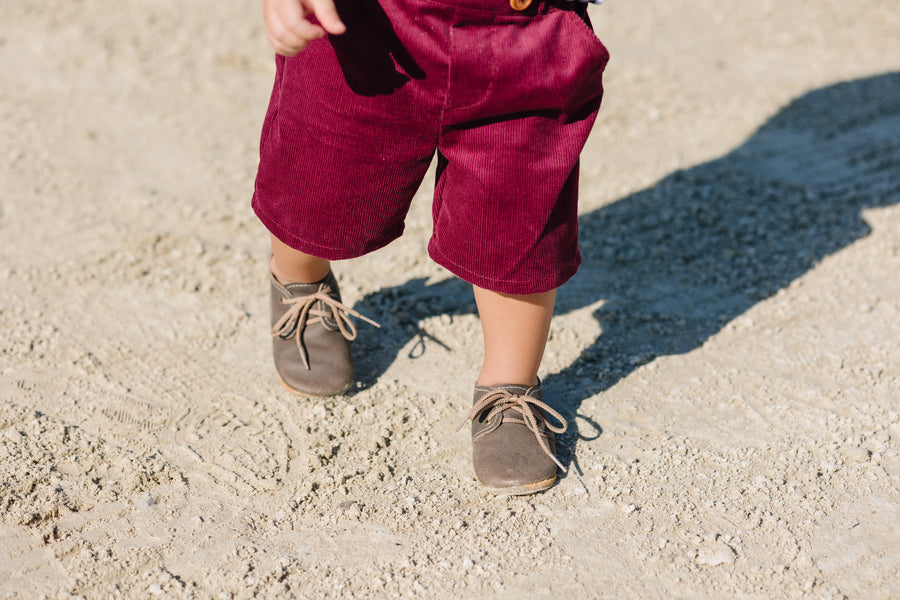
{"x": 311, "y": 335}
{"x": 513, "y": 442}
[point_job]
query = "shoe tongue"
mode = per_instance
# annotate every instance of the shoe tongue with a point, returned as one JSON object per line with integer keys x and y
{"x": 515, "y": 389}
{"x": 519, "y": 390}
{"x": 302, "y": 289}
{"x": 306, "y": 288}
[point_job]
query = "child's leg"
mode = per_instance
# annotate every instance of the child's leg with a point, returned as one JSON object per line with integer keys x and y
{"x": 292, "y": 266}
{"x": 515, "y": 330}
{"x": 310, "y": 326}
{"x": 513, "y": 447}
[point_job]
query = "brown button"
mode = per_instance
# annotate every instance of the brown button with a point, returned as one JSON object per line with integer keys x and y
{"x": 519, "y": 4}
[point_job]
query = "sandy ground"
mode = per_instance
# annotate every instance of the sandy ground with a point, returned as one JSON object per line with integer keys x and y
{"x": 728, "y": 355}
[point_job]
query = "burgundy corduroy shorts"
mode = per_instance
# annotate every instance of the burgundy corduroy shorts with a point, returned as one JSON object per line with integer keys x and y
{"x": 506, "y": 98}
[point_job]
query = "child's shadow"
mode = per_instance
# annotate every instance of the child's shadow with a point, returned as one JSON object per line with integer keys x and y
{"x": 675, "y": 262}
{"x": 400, "y": 310}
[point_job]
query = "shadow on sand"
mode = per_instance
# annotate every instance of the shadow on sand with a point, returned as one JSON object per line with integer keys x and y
{"x": 675, "y": 262}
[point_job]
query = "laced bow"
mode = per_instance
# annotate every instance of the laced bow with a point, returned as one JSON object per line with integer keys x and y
{"x": 303, "y": 312}
{"x": 530, "y": 408}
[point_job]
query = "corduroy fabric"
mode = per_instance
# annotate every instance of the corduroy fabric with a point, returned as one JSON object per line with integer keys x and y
{"x": 507, "y": 100}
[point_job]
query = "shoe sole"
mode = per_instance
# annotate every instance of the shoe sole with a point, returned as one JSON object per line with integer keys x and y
{"x": 521, "y": 490}
{"x": 297, "y": 392}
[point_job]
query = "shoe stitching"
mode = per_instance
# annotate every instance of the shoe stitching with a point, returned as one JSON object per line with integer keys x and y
{"x": 496, "y": 403}
{"x": 301, "y": 308}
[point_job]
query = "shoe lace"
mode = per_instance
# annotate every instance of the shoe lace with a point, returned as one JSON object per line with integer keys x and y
{"x": 303, "y": 311}
{"x": 531, "y": 409}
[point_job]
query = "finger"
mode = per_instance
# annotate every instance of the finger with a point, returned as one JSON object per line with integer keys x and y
{"x": 304, "y": 32}
{"x": 290, "y": 41}
{"x": 327, "y": 15}
{"x": 284, "y": 49}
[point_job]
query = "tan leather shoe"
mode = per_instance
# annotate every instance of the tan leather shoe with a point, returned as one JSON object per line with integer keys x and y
{"x": 513, "y": 446}
{"x": 311, "y": 334}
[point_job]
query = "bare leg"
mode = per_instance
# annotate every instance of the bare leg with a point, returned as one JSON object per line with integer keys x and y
{"x": 311, "y": 357}
{"x": 515, "y": 330}
{"x": 291, "y": 266}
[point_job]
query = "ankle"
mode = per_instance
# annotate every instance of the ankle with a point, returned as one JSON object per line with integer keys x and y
{"x": 299, "y": 273}
{"x": 292, "y": 266}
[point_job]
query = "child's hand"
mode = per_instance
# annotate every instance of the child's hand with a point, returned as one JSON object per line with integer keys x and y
{"x": 288, "y": 29}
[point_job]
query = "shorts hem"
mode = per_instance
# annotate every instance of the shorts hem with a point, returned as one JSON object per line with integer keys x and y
{"x": 312, "y": 248}
{"x": 515, "y": 288}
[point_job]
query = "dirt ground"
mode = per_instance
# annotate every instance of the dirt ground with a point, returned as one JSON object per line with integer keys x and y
{"x": 728, "y": 355}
